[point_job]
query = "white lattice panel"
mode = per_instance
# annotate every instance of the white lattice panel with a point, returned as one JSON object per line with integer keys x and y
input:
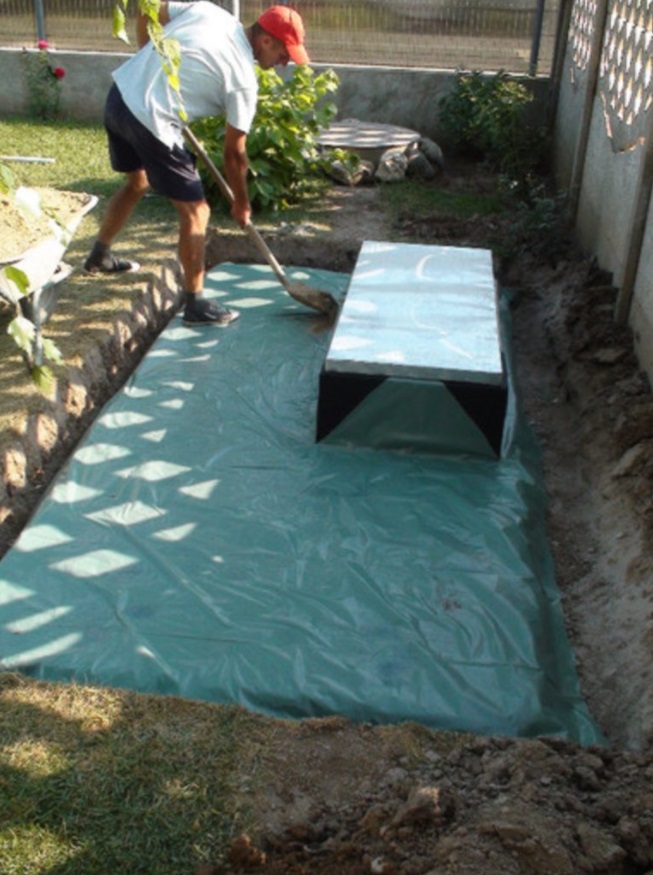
{"x": 581, "y": 31}
{"x": 627, "y": 70}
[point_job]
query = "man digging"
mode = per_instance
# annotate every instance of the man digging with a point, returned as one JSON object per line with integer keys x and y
{"x": 144, "y": 129}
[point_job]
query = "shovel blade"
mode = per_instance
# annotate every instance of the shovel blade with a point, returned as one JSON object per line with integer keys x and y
{"x": 317, "y": 299}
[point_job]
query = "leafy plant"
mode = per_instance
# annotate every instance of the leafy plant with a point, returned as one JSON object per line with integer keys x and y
{"x": 168, "y": 49}
{"x": 285, "y": 159}
{"x": 6, "y": 179}
{"x": 43, "y": 81}
{"x": 36, "y": 349}
{"x": 541, "y": 225}
{"x": 485, "y": 117}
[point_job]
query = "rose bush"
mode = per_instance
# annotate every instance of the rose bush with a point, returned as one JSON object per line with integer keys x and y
{"x": 43, "y": 81}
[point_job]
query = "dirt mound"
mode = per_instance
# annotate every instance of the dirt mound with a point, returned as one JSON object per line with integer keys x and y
{"x": 20, "y": 229}
{"x": 491, "y": 806}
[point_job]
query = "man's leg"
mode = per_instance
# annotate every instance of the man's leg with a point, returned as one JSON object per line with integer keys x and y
{"x": 121, "y": 206}
{"x": 193, "y": 221}
{"x": 118, "y": 211}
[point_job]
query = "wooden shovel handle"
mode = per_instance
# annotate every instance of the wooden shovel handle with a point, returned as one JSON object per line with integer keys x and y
{"x": 223, "y": 185}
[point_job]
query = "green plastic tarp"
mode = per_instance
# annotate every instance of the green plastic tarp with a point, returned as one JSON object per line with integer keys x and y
{"x": 201, "y": 543}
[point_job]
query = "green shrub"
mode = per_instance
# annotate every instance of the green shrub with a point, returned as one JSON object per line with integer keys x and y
{"x": 35, "y": 348}
{"x": 485, "y": 117}
{"x": 285, "y": 160}
{"x": 540, "y": 226}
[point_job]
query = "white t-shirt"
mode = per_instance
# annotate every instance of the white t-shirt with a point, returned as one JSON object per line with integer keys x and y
{"x": 216, "y": 74}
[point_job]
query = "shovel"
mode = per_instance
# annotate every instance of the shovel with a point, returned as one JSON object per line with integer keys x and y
{"x": 317, "y": 299}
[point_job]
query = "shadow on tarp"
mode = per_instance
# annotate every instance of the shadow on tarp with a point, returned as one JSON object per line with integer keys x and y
{"x": 201, "y": 543}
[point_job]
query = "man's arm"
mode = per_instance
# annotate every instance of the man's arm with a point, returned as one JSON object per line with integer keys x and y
{"x": 142, "y": 36}
{"x": 235, "y": 168}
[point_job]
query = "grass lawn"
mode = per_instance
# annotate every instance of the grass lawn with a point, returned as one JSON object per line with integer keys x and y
{"x": 103, "y": 781}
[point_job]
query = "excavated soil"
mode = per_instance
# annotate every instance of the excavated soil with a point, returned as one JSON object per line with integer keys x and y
{"x": 326, "y": 796}
{"x": 22, "y": 228}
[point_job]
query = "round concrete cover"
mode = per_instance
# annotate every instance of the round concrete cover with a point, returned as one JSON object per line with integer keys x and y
{"x": 356, "y": 134}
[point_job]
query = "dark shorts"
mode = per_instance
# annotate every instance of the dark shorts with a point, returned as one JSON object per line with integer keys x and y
{"x": 170, "y": 172}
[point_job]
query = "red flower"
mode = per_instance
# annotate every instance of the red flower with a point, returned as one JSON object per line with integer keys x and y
{"x": 42, "y": 44}
{"x": 58, "y": 72}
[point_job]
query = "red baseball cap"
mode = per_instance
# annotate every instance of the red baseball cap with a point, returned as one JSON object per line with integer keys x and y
{"x": 286, "y": 25}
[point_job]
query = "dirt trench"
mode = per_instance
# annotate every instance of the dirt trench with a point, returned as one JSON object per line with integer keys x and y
{"x": 579, "y": 385}
{"x": 335, "y": 798}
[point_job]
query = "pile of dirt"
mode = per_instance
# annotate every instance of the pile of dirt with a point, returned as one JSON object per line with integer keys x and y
{"x": 23, "y": 228}
{"x": 329, "y": 797}
{"x": 353, "y": 801}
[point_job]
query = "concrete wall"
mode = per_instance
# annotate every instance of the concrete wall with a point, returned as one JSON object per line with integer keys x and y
{"x": 83, "y": 89}
{"x": 607, "y": 195}
{"x": 569, "y": 110}
{"x": 400, "y": 96}
{"x": 641, "y": 314}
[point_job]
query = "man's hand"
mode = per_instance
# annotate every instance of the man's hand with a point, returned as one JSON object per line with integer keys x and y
{"x": 242, "y": 213}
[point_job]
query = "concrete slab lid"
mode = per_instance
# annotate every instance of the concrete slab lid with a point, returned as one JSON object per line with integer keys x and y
{"x": 355, "y": 134}
{"x": 422, "y": 312}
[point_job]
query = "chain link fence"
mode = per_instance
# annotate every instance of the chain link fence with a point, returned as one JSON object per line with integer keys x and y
{"x": 517, "y": 36}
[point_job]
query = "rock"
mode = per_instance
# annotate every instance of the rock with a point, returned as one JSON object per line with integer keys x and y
{"x": 603, "y": 854}
{"x": 609, "y": 355}
{"x": 633, "y": 459}
{"x": 587, "y": 779}
{"x": 639, "y": 848}
{"x": 395, "y": 777}
{"x": 392, "y": 166}
{"x": 425, "y": 805}
{"x": 14, "y": 466}
{"x": 341, "y": 174}
{"x": 419, "y": 167}
{"x": 373, "y": 819}
{"x": 380, "y": 866}
{"x": 244, "y": 855}
{"x": 432, "y": 152}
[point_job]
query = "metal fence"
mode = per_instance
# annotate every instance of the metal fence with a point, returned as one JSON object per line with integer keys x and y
{"x": 513, "y": 35}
